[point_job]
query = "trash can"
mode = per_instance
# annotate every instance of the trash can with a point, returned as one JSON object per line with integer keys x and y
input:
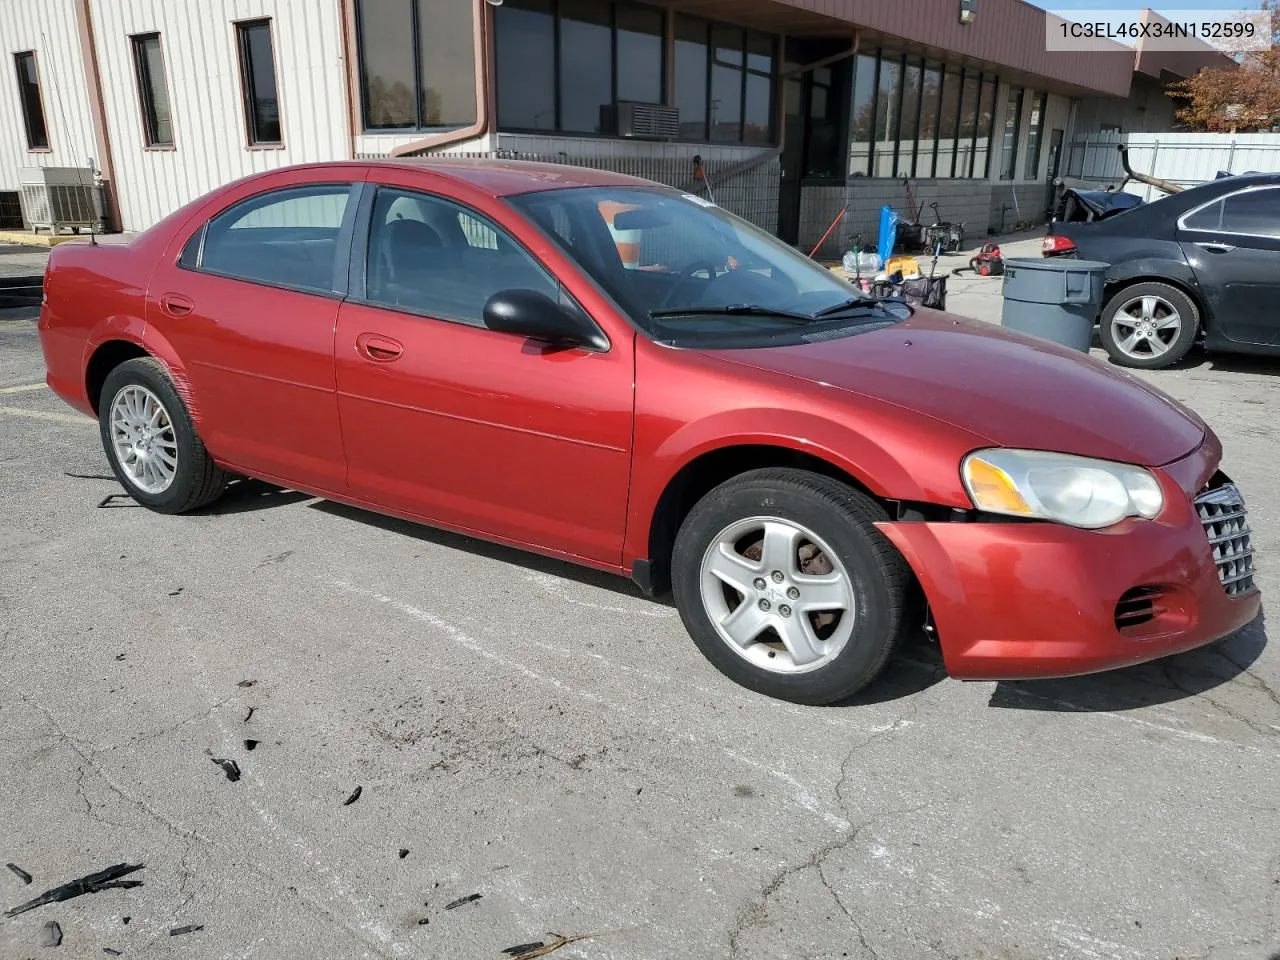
{"x": 1057, "y": 299}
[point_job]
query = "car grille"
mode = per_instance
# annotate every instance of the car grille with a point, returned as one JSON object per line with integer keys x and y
{"x": 1221, "y": 510}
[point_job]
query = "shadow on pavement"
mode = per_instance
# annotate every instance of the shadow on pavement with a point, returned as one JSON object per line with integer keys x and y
{"x": 1160, "y": 681}
{"x": 247, "y": 495}
{"x": 483, "y": 548}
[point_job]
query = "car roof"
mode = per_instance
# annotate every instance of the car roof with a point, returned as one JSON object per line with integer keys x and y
{"x": 505, "y": 178}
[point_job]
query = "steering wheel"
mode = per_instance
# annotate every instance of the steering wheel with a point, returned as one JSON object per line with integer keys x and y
{"x": 687, "y": 276}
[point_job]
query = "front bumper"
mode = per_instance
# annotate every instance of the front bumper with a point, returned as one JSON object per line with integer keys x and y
{"x": 1026, "y": 600}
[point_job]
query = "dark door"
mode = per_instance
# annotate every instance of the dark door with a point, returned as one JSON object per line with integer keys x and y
{"x": 1054, "y": 165}
{"x": 792, "y": 162}
{"x": 1233, "y": 246}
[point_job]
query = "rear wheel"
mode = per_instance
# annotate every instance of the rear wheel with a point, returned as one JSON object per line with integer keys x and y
{"x": 785, "y": 584}
{"x": 151, "y": 443}
{"x": 1149, "y": 325}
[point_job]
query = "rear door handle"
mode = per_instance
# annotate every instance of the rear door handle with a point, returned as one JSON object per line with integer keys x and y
{"x": 377, "y": 348}
{"x": 176, "y": 305}
{"x": 1216, "y": 247}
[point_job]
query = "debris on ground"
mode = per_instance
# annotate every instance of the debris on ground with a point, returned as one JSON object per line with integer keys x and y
{"x": 229, "y": 767}
{"x": 355, "y": 795}
{"x": 111, "y": 952}
{"x": 249, "y": 716}
{"x": 109, "y": 499}
{"x": 108, "y": 879}
{"x": 246, "y": 683}
{"x": 174, "y": 593}
{"x": 251, "y": 744}
{"x": 125, "y": 920}
{"x": 19, "y": 872}
{"x": 87, "y": 476}
{"x": 462, "y": 901}
{"x": 423, "y": 922}
{"x": 190, "y": 928}
{"x": 530, "y": 951}
{"x": 50, "y": 934}
{"x": 403, "y": 853}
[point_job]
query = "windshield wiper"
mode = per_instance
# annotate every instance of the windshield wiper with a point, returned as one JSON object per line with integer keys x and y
{"x": 733, "y": 310}
{"x": 857, "y": 303}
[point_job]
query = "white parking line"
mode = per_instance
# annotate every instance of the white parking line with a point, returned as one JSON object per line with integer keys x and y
{"x": 46, "y": 415}
{"x": 25, "y": 388}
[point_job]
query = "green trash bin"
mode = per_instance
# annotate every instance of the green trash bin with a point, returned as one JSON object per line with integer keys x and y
{"x": 1057, "y": 299}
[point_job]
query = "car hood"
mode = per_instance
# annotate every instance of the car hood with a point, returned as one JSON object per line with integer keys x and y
{"x": 1014, "y": 390}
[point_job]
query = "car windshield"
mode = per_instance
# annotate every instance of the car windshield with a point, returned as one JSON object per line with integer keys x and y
{"x": 684, "y": 268}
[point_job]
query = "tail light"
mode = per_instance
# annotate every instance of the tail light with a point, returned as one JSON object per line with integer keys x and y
{"x": 1052, "y": 246}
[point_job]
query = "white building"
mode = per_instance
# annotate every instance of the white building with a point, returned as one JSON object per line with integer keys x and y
{"x": 796, "y": 107}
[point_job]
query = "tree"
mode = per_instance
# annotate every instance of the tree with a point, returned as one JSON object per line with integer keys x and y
{"x": 1243, "y": 97}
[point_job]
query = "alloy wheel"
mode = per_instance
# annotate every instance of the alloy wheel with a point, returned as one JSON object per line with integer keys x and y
{"x": 143, "y": 439}
{"x": 1146, "y": 327}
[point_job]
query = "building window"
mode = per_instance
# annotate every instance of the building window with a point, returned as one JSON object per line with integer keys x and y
{"x": 909, "y": 125}
{"x": 986, "y": 114}
{"x": 738, "y": 102}
{"x": 153, "y": 92}
{"x": 692, "y": 67}
{"x": 563, "y": 65}
{"x": 930, "y": 103}
{"x": 1035, "y": 137}
{"x": 966, "y": 139}
{"x": 417, "y": 64}
{"x": 948, "y": 124}
{"x": 862, "y": 115}
{"x": 824, "y": 135}
{"x": 888, "y": 110}
{"x": 32, "y": 106}
{"x": 258, "y": 83}
{"x": 1009, "y": 147}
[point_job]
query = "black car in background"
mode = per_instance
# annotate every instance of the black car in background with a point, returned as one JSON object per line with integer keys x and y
{"x": 1200, "y": 264}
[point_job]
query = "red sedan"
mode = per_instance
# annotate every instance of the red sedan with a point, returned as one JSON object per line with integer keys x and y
{"x": 613, "y": 372}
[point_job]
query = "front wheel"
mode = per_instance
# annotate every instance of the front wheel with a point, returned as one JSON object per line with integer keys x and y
{"x": 787, "y": 587}
{"x": 151, "y": 443}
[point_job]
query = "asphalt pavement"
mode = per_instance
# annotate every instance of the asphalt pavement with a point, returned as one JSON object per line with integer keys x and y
{"x": 550, "y": 744}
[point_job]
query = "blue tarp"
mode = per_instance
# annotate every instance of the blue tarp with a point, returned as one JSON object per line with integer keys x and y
{"x": 888, "y": 233}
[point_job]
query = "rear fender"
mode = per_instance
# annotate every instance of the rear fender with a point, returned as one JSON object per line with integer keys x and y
{"x": 132, "y": 329}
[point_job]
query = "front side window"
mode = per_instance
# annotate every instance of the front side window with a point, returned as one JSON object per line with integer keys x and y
{"x": 286, "y": 238}
{"x": 258, "y": 83}
{"x": 153, "y": 91}
{"x": 433, "y": 257}
{"x": 685, "y": 270}
{"x": 32, "y": 104}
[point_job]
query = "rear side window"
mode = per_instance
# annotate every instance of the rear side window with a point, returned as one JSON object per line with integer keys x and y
{"x": 285, "y": 238}
{"x": 1207, "y": 218}
{"x": 433, "y": 257}
{"x": 1254, "y": 213}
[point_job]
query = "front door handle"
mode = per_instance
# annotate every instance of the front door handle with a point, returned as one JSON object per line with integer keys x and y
{"x": 176, "y": 305}
{"x": 1216, "y": 247}
{"x": 377, "y": 348}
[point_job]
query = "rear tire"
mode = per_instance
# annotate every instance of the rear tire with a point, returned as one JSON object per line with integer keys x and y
{"x": 787, "y": 587}
{"x": 1148, "y": 326}
{"x": 151, "y": 443}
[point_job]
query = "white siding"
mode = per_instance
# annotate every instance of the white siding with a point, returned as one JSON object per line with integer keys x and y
{"x": 49, "y": 28}
{"x": 203, "y": 78}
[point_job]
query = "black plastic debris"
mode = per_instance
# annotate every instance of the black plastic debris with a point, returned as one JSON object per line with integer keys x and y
{"x": 423, "y": 922}
{"x": 463, "y": 901}
{"x": 249, "y": 716}
{"x": 520, "y": 948}
{"x": 119, "y": 656}
{"x": 251, "y": 744}
{"x": 88, "y": 476}
{"x": 108, "y": 879}
{"x": 125, "y": 920}
{"x": 403, "y": 853}
{"x": 246, "y": 683}
{"x": 19, "y": 872}
{"x": 50, "y": 934}
{"x": 109, "y": 500}
{"x": 174, "y": 593}
{"x": 355, "y": 795}
{"x": 189, "y": 928}
{"x": 229, "y": 767}
{"x": 111, "y": 952}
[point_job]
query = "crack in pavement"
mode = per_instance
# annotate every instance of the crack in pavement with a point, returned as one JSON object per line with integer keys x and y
{"x": 758, "y": 909}
{"x": 1231, "y": 713}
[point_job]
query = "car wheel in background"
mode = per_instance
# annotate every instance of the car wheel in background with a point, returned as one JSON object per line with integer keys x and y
{"x": 785, "y": 584}
{"x": 151, "y": 443}
{"x": 1149, "y": 325}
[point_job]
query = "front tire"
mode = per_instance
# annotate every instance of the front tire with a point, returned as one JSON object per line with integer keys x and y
{"x": 1148, "y": 326}
{"x": 787, "y": 587}
{"x": 151, "y": 443}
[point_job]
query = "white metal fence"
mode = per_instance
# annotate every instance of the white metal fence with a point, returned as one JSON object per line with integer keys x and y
{"x": 1183, "y": 158}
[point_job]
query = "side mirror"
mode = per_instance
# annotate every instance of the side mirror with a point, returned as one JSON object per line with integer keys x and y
{"x": 528, "y": 313}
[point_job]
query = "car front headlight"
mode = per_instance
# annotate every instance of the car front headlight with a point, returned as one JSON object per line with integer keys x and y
{"x": 1077, "y": 491}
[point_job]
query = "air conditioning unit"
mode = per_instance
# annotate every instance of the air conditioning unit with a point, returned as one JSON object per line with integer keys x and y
{"x": 644, "y": 121}
{"x": 59, "y": 197}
